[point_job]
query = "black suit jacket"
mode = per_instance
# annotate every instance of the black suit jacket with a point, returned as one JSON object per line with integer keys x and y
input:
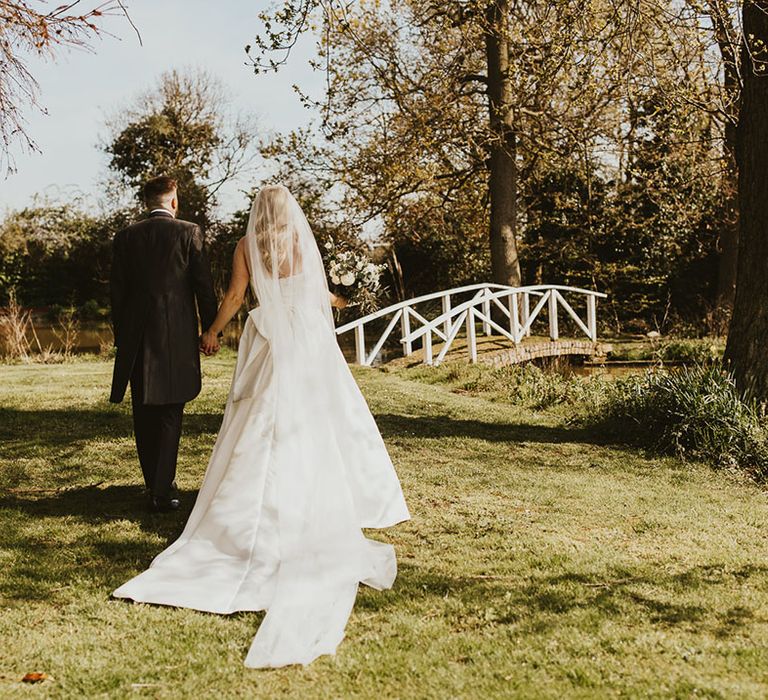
{"x": 159, "y": 269}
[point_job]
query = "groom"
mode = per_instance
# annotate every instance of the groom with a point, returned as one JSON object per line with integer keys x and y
{"x": 159, "y": 270}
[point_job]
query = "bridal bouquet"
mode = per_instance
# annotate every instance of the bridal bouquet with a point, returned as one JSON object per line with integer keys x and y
{"x": 354, "y": 277}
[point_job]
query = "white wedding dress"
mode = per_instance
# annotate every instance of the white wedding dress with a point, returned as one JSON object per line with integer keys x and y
{"x": 298, "y": 468}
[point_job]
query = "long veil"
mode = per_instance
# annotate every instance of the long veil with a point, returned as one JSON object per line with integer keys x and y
{"x": 285, "y": 263}
{"x": 323, "y": 554}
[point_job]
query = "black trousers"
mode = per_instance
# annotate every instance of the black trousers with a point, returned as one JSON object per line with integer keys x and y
{"x": 158, "y": 430}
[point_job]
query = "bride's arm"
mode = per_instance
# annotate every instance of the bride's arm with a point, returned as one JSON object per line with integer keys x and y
{"x": 232, "y": 301}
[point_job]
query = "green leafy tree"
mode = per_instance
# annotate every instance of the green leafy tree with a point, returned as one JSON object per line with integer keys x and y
{"x": 182, "y": 129}
{"x": 57, "y": 253}
{"x": 444, "y": 102}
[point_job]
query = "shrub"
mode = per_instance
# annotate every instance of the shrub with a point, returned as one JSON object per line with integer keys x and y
{"x": 687, "y": 351}
{"x": 692, "y": 351}
{"x": 693, "y": 413}
{"x": 15, "y": 323}
{"x": 66, "y": 331}
{"x": 91, "y": 310}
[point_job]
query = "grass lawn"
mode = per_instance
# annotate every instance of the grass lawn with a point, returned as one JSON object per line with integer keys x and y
{"x": 541, "y": 562}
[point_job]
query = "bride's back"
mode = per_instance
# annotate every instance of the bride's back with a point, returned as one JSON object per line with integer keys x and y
{"x": 286, "y": 268}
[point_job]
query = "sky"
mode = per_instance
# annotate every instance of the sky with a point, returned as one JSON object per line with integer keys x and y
{"x": 81, "y": 90}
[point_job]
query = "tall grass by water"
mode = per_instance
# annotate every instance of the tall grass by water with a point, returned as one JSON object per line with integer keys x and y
{"x": 693, "y": 413}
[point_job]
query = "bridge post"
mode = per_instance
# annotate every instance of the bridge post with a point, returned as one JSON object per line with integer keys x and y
{"x": 428, "y": 348}
{"x": 486, "y": 311}
{"x": 446, "y": 309}
{"x": 526, "y": 311}
{"x": 406, "y": 328}
{"x": 360, "y": 344}
{"x": 592, "y": 317}
{"x": 471, "y": 337}
{"x": 514, "y": 322}
{"x": 552, "y": 309}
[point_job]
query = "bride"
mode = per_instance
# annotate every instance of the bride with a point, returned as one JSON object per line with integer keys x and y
{"x": 298, "y": 468}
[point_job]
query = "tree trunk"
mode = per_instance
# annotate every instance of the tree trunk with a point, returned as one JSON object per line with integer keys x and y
{"x": 728, "y": 246}
{"x": 746, "y": 350}
{"x": 502, "y": 181}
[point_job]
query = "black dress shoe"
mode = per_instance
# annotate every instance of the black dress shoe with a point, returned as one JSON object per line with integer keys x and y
{"x": 164, "y": 504}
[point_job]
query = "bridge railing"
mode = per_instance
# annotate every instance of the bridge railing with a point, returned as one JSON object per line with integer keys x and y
{"x": 518, "y": 308}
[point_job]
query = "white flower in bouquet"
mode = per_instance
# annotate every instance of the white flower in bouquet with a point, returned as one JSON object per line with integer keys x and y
{"x": 370, "y": 274}
{"x": 333, "y": 272}
{"x": 355, "y": 277}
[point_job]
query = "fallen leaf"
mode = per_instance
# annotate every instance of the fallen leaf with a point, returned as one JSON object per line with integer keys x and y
{"x": 34, "y": 677}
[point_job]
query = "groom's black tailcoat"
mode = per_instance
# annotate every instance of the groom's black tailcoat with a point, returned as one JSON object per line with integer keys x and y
{"x": 159, "y": 270}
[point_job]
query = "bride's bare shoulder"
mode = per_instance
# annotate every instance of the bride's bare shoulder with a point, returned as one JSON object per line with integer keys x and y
{"x": 242, "y": 253}
{"x": 242, "y": 247}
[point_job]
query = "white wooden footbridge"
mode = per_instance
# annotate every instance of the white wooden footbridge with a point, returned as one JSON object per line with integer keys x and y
{"x": 462, "y": 310}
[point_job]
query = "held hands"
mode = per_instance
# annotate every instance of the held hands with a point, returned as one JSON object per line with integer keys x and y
{"x": 209, "y": 343}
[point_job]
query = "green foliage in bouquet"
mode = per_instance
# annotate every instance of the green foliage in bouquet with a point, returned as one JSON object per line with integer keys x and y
{"x": 353, "y": 276}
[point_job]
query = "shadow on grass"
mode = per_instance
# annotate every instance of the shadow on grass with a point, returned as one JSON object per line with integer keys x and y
{"x": 75, "y": 546}
{"x": 24, "y": 431}
{"x": 435, "y": 427}
{"x": 96, "y": 505}
{"x": 79, "y": 545}
{"x": 80, "y": 550}
{"x": 543, "y": 603}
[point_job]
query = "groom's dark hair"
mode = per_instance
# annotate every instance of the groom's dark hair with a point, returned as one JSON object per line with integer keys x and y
{"x": 157, "y": 189}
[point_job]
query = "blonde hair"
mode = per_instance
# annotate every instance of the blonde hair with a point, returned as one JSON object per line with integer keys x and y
{"x": 273, "y": 229}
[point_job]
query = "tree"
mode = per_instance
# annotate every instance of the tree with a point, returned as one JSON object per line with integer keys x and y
{"x": 607, "y": 119}
{"x": 746, "y": 349}
{"x": 440, "y": 247}
{"x": 702, "y": 74}
{"x": 656, "y": 256}
{"x": 183, "y": 129}
{"x": 643, "y": 232}
{"x": 58, "y": 253}
{"x": 23, "y": 31}
{"x": 429, "y": 99}
{"x": 502, "y": 164}
{"x": 728, "y": 40}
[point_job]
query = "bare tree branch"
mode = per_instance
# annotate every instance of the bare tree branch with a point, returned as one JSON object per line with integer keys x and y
{"x": 25, "y": 30}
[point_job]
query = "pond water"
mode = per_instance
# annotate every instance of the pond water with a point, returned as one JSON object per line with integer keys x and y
{"x": 90, "y": 338}
{"x": 87, "y": 339}
{"x": 614, "y": 369}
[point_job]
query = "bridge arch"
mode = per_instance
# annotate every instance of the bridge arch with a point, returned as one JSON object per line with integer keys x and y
{"x": 519, "y": 307}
